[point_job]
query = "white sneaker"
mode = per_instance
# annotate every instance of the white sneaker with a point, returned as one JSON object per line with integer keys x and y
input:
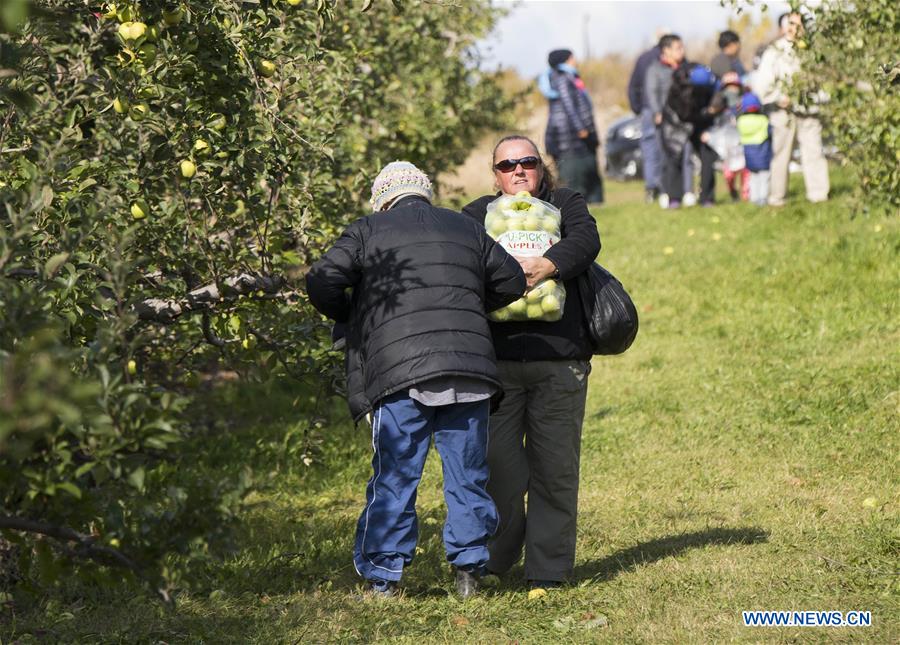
{"x": 663, "y": 201}
{"x": 689, "y": 199}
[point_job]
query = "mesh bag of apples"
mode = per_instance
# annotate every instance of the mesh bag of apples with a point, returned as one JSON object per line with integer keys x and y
{"x": 526, "y": 226}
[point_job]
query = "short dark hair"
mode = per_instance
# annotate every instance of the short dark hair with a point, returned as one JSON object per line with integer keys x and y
{"x": 666, "y": 41}
{"x": 728, "y": 37}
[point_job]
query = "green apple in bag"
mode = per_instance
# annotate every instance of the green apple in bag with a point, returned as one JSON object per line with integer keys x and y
{"x": 501, "y": 315}
{"x": 534, "y": 311}
{"x": 550, "y": 303}
{"x": 527, "y": 227}
{"x": 531, "y": 223}
{"x": 518, "y": 307}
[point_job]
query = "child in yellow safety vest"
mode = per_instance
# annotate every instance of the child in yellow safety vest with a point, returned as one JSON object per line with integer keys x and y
{"x": 756, "y": 138}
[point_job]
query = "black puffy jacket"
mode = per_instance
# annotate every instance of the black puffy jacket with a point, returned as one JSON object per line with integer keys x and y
{"x": 567, "y": 338}
{"x": 420, "y": 279}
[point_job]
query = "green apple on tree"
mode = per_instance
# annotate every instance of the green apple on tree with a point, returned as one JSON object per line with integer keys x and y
{"x": 216, "y": 122}
{"x": 173, "y": 16}
{"x": 188, "y": 169}
{"x": 138, "y": 111}
{"x": 139, "y": 209}
{"x": 147, "y": 53}
{"x": 132, "y": 30}
{"x": 266, "y": 68}
{"x": 120, "y": 106}
{"x": 132, "y": 367}
{"x": 201, "y": 146}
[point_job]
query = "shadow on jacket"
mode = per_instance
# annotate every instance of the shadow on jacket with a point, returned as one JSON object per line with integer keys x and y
{"x": 413, "y": 284}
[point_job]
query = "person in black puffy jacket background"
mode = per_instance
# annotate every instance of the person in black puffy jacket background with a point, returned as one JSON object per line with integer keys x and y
{"x": 535, "y": 439}
{"x": 420, "y": 359}
{"x": 571, "y": 136}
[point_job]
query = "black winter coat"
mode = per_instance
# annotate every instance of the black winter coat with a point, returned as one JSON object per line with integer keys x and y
{"x": 569, "y": 114}
{"x": 567, "y": 338}
{"x": 687, "y": 113}
{"x": 413, "y": 284}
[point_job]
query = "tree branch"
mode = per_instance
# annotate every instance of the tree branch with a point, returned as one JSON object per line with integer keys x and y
{"x": 85, "y": 547}
{"x": 159, "y": 310}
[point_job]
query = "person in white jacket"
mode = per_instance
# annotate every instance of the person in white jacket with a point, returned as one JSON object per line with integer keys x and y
{"x": 771, "y": 82}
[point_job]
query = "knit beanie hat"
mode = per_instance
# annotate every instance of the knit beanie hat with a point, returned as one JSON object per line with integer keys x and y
{"x": 558, "y": 57}
{"x": 396, "y": 179}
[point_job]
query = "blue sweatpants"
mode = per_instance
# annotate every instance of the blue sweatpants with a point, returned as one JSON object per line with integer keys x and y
{"x": 387, "y": 530}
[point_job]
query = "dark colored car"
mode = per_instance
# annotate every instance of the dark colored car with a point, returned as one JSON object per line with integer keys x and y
{"x": 624, "y": 159}
{"x": 623, "y": 149}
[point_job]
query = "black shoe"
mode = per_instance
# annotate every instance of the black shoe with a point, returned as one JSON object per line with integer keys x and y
{"x": 383, "y": 588}
{"x": 651, "y": 195}
{"x": 466, "y": 583}
{"x": 544, "y": 584}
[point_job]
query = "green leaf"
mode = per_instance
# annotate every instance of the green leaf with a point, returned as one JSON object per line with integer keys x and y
{"x": 136, "y": 478}
{"x": 46, "y": 196}
{"x": 53, "y": 264}
{"x": 71, "y": 489}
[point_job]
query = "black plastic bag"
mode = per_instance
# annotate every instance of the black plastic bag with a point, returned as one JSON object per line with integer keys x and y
{"x": 611, "y": 316}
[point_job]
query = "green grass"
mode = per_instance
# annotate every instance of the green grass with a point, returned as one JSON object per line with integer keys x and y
{"x": 725, "y": 462}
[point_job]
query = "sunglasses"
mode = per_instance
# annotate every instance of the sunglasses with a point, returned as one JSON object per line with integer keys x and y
{"x": 508, "y": 165}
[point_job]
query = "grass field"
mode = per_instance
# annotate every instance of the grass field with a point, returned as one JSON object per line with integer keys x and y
{"x": 725, "y": 464}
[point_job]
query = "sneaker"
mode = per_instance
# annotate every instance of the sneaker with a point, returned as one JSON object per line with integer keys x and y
{"x": 383, "y": 588}
{"x": 707, "y": 204}
{"x": 466, "y": 583}
{"x": 674, "y": 205}
{"x": 651, "y": 195}
{"x": 689, "y": 199}
{"x": 663, "y": 201}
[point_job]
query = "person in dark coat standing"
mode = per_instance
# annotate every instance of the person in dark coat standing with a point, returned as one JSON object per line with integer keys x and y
{"x": 535, "y": 438}
{"x": 413, "y": 283}
{"x": 571, "y": 136}
{"x": 688, "y": 114}
{"x": 651, "y": 154}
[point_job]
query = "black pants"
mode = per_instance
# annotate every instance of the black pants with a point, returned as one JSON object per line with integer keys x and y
{"x": 673, "y": 178}
{"x": 578, "y": 171}
{"x": 534, "y": 450}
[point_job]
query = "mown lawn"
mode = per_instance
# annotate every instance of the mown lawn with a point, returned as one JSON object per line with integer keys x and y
{"x": 726, "y": 460}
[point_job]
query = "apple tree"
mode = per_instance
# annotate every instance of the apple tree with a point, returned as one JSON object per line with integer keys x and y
{"x": 167, "y": 172}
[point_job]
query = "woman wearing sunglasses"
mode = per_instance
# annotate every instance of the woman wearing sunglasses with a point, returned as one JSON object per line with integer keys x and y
{"x": 535, "y": 437}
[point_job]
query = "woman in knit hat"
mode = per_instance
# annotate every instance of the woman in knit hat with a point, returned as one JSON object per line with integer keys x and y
{"x": 413, "y": 283}
{"x": 571, "y": 136}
